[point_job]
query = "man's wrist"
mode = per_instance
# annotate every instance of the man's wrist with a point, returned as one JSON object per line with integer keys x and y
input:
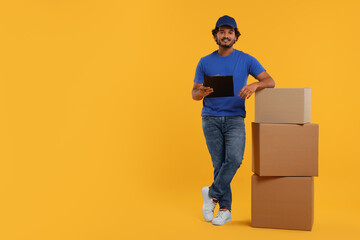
{"x": 259, "y": 85}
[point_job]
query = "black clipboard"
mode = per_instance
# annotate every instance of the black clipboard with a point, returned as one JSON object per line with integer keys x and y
{"x": 223, "y": 86}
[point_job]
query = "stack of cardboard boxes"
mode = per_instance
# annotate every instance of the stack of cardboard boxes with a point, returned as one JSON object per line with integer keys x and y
{"x": 285, "y": 159}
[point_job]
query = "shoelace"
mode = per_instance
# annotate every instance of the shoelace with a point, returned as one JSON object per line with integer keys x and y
{"x": 221, "y": 213}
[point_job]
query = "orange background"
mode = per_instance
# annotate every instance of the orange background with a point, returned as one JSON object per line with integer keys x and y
{"x": 99, "y": 136}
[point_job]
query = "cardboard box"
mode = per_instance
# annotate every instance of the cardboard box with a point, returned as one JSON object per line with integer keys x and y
{"x": 283, "y": 105}
{"x": 282, "y": 202}
{"x": 285, "y": 149}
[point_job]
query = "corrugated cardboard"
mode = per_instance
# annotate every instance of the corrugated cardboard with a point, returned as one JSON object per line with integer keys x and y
{"x": 282, "y": 202}
{"x": 285, "y": 149}
{"x": 283, "y": 105}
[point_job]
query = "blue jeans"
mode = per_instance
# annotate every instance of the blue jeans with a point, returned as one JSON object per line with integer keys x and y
{"x": 225, "y": 139}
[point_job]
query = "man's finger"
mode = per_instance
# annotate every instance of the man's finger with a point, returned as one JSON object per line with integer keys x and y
{"x": 245, "y": 91}
{"x": 243, "y": 94}
{"x": 241, "y": 91}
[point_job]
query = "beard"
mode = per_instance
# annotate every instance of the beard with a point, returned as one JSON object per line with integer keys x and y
{"x": 223, "y": 45}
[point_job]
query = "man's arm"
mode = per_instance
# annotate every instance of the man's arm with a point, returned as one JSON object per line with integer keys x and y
{"x": 265, "y": 81}
{"x": 199, "y": 91}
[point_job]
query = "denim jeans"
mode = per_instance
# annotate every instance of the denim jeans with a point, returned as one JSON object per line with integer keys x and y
{"x": 225, "y": 139}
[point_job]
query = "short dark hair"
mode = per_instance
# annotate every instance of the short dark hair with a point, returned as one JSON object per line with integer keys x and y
{"x": 237, "y": 33}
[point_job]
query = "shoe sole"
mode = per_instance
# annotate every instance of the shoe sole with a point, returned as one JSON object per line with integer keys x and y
{"x": 229, "y": 220}
{"x": 205, "y": 195}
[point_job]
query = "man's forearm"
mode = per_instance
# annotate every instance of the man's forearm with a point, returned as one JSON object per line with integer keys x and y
{"x": 265, "y": 83}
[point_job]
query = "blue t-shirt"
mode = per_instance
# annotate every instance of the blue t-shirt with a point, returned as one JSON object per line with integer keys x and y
{"x": 239, "y": 65}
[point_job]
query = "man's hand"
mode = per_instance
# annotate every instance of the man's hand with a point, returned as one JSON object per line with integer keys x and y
{"x": 265, "y": 81}
{"x": 205, "y": 91}
{"x": 248, "y": 90}
{"x": 199, "y": 91}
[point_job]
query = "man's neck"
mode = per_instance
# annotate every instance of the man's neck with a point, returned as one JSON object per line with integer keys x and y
{"x": 225, "y": 51}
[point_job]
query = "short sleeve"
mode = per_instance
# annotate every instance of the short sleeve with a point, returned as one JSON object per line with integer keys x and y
{"x": 255, "y": 68}
{"x": 199, "y": 74}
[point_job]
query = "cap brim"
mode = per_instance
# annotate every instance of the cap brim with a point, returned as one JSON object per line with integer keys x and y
{"x": 226, "y": 25}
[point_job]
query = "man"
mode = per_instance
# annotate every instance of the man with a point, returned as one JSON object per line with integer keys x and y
{"x": 223, "y": 117}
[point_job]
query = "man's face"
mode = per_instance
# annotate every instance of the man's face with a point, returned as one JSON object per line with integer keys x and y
{"x": 225, "y": 37}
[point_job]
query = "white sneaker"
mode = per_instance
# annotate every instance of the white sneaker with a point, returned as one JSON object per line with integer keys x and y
{"x": 208, "y": 205}
{"x": 222, "y": 217}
